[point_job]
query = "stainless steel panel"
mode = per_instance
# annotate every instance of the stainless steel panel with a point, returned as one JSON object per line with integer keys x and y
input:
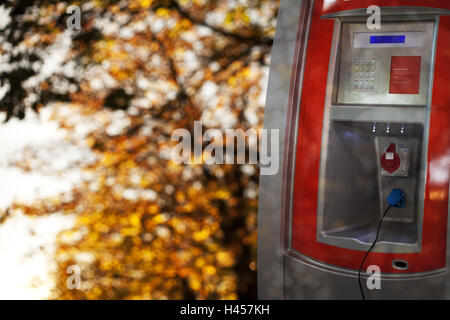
{"x": 407, "y": 181}
{"x": 340, "y": 222}
{"x": 280, "y": 114}
{"x": 379, "y": 114}
{"x": 306, "y": 279}
{"x": 390, "y": 13}
{"x": 379, "y": 60}
{"x": 353, "y": 188}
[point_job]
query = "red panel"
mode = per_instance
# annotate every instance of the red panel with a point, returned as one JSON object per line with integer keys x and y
{"x": 309, "y": 145}
{"x": 405, "y": 75}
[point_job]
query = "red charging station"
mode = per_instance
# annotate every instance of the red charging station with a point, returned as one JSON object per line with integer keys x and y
{"x": 366, "y": 113}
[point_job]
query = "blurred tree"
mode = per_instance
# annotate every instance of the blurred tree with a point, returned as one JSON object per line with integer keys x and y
{"x": 146, "y": 227}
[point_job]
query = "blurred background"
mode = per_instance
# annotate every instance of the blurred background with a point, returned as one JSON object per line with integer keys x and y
{"x": 86, "y": 177}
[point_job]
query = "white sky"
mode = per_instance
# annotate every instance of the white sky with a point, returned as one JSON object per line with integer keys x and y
{"x": 26, "y": 243}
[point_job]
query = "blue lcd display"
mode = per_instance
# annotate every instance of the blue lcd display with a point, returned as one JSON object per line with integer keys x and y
{"x": 387, "y": 39}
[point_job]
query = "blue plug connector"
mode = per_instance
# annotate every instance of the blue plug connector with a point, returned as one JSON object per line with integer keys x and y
{"x": 397, "y": 198}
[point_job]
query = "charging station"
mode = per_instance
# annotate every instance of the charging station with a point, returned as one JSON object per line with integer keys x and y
{"x": 364, "y": 120}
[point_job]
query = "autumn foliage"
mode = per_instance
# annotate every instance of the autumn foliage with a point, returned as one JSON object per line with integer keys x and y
{"x": 147, "y": 228}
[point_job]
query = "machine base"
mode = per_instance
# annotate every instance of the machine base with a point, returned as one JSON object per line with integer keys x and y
{"x": 303, "y": 280}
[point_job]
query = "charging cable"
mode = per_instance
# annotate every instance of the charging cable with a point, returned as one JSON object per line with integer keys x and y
{"x": 395, "y": 199}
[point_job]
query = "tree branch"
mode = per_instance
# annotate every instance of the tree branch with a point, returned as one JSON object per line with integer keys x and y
{"x": 267, "y": 41}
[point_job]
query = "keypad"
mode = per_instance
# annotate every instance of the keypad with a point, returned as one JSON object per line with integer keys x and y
{"x": 364, "y": 74}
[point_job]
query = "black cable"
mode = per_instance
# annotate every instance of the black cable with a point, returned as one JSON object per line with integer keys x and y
{"x": 368, "y": 251}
